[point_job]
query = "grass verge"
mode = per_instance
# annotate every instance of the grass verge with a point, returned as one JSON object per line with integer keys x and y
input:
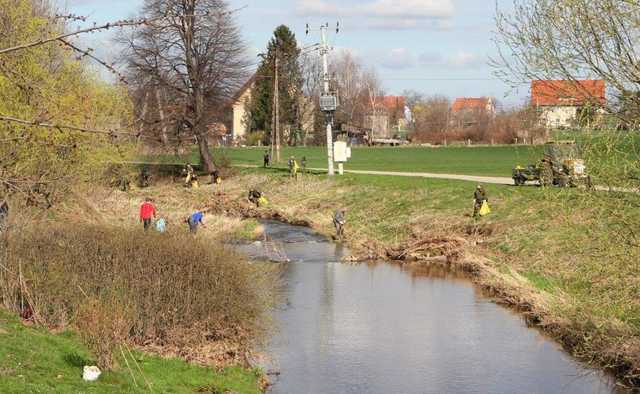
{"x": 34, "y": 360}
{"x": 481, "y": 160}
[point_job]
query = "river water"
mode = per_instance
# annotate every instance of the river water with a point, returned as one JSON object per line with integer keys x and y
{"x": 379, "y": 328}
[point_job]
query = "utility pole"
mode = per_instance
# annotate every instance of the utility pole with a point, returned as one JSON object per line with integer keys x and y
{"x": 275, "y": 119}
{"x": 328, "y": 101}
{"x": 277, "y": 98}
{"x": 324, "y": 51}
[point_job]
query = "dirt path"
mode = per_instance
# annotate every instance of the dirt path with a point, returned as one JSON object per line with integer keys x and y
{"x": 471, "y": 178}
{"x": 496, "y": 180}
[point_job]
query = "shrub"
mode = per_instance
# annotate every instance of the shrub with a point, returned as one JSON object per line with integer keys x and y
{"x": 173, "y": 289}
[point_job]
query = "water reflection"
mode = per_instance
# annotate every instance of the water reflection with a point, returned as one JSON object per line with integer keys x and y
{"x": 381, "y": 328}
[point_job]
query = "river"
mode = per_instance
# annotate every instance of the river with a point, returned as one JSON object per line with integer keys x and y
{"x": 381, "y": 328}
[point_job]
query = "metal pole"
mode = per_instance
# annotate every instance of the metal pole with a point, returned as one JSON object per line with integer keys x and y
{"x": 273, "y": 114}
{"x": 277, "y": 99}
{"x": 324, "y": 50}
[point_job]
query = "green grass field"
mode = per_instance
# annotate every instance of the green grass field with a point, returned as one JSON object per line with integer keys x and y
{"x": 33, "y": 360}
{"x": 485, "y": 160}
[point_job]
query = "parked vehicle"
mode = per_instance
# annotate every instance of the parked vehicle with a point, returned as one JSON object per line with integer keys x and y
{"x": 560, "y": 166}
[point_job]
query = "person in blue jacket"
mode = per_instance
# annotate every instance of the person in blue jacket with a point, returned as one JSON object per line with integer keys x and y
{"x": 195, "y": 220}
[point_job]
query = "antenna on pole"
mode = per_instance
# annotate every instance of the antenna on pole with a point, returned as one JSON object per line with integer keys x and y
{"x": 328, "y": 100}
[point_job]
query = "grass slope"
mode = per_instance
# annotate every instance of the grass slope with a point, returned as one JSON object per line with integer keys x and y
{"x": 33, "y": 360}
{"x": 482, "y": 160}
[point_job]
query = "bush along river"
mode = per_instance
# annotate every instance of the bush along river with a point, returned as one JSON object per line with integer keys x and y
{"x": 380, "y": 328}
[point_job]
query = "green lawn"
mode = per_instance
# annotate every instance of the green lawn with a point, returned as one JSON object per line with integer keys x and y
{"x": 33, "y": 360}
{"x": 485, "y": 160}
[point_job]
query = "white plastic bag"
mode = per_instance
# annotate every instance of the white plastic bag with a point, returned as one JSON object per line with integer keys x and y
{"x": 90, "y": 373}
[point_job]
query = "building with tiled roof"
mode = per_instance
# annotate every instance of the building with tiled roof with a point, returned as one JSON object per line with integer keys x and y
{"x": 468, "y": 111}
{"x": 559, "y": 102}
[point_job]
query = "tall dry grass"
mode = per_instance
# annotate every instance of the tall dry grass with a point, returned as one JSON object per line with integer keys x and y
{"x": 119, "y": 284}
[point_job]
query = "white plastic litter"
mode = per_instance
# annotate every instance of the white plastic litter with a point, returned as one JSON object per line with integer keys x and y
{"x": 91, "y": 373}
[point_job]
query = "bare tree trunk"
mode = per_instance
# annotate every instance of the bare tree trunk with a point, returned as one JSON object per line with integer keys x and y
{"x": 142, "y": 118}
{"x": 163, "y": 124}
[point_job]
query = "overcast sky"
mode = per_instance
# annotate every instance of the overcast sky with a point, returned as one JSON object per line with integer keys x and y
{"x": 432, "y": 46}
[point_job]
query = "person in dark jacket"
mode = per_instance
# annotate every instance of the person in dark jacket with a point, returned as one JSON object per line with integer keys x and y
{"x": 254, "y": 197}
{"x": 339, "y": 220}
{"x": 266, "y": 159}
{"x": 4, "y": 215}
{"x": 479, "y": 197}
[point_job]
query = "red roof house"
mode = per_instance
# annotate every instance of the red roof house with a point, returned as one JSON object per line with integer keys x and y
{"x": 567, "y": 93}
{"x": 560, "y": 102}
{"x": 473, "y": 104}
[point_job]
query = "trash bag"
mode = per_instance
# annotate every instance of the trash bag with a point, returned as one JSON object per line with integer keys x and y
{"x": 90, "y": 373}
{"x": 484, "y": 210}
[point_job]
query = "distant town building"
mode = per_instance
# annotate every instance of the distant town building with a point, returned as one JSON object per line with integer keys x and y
{"x": 560, "y": 102}
{"x": 468, "y": 111}
{"x": 240, "y": 128}
{"x": 241, "y": 99}
{"x": 387, "y": 119}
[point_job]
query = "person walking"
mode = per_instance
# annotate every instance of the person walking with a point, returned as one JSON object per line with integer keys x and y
{"x": 147, "y": 213}
{"x": 339, "y": 220}
{"x": 303, "y": 164}
{"x": 215, "y": 177}
{"x": 188, "y": 173}
{"x": 293, "y": 167}
{"x": 266, "y": 159}
{"x": 195, "y": 220}
{"x": 479, "y": 198}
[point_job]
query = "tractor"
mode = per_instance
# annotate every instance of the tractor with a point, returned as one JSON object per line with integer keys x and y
{"x": 560, "y": 166}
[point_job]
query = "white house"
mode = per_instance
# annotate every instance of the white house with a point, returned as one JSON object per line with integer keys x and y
{"x": 559, "y": 102}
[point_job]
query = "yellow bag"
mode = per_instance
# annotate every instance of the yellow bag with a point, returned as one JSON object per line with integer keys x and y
{"x": 262, "y": 201}
{"x": 484, "y": 210}
{"x": 218, "y": 180}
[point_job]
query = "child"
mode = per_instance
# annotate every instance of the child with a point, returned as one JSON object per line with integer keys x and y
{"x": 161, "y": 225}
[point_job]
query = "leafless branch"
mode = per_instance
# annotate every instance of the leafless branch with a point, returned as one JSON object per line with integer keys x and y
{"x": 11, "y": 119}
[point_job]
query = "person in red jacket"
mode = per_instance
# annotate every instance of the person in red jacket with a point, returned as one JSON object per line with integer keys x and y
{"x": 147, "y": 213}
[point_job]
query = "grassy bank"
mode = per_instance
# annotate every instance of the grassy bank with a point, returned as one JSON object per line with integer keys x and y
{"x": 482, "y": 160}
{"x": 34, "y": 360}
{"x": 560, "y": 254}
{"x": 109, "y": 288}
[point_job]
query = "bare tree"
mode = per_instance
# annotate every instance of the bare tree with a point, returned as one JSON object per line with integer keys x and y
{"x": 571, "y": 40}
{"x": 192, "y": 50}
{"x": 311, "y": 71}
{"x": 430, "y": 118}
{"x": 359, "y": 88}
